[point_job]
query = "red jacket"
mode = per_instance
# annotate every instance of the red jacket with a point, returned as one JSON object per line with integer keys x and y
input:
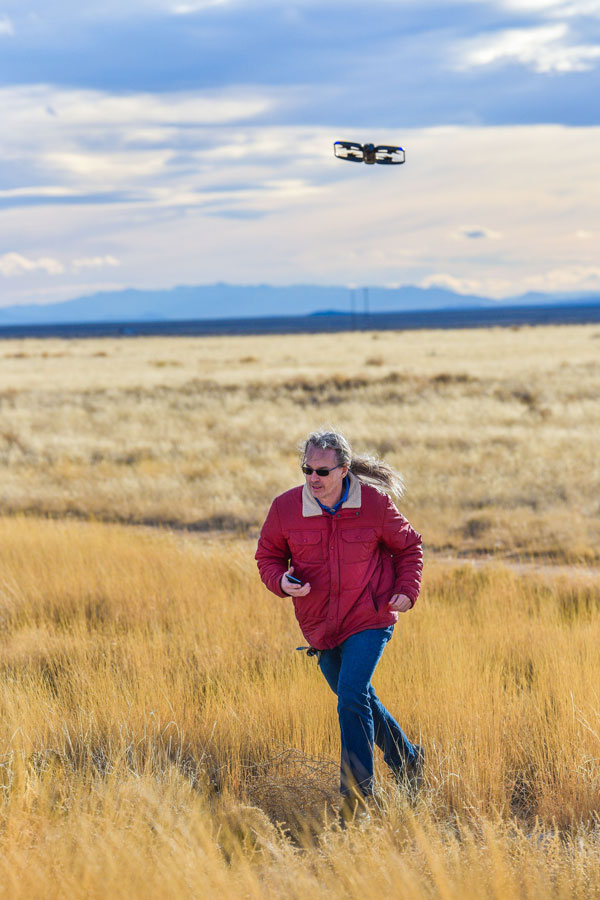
{"x": 355, "y": 561}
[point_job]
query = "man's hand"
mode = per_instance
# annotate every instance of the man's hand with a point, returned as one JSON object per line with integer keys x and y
{"x": 294, "y": 590}
{"x": 400, "y": 602}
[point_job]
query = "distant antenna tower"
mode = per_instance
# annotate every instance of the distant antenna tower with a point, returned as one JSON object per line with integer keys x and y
{"x": 353, "y": 307}
{"x": 366, "y": 302}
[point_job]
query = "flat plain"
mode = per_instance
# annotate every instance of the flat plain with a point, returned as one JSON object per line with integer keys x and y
{"x": 495, "y": 431}
{"x": 161, "y": 736}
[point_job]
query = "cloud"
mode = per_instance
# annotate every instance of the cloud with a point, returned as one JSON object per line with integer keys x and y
{"x": 568, "y": 279}
{"x": 391, "y": 62}
{"x": 94, "y": 262}
{"x": 32, "y": 198}
{"x": 13, "y": 264}
{"x": 555, "y": 8}
{"x": 51, "y": 192}
{"x": 6, "y": 26}
{"x": 108, "y": 168}
{"x": 74, "y": 108}
{"x": 477, "y": 233}
{"x": 152, "y": 151}
{"x": 96, "y": 147}
{"x": 545, "y": 49}
{"x": 186, "y": 9}
{"x": 452, "y": 283}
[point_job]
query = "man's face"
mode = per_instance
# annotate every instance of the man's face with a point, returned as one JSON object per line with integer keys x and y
{"x": 328, "y": 488}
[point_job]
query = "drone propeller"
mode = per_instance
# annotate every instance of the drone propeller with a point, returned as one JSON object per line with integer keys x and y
{"x": 389, "y": 156}
{"x": 348, "y": 150}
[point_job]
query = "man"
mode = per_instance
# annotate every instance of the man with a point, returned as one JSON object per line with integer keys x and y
{"x": 351, "y": 563}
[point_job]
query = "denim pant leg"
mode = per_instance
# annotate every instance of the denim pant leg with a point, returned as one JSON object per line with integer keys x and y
{"x": 398, "y": 751}
{"x": 363, "y": 718}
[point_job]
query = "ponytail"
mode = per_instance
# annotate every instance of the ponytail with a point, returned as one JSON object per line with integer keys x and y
{"x": 366, "y": 468}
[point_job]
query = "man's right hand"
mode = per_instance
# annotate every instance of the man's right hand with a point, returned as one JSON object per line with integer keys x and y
{"x": 289, "y": 587}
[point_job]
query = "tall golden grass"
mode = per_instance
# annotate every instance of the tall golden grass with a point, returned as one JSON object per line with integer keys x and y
{"x": 494, "y": 430}
{"x": 159, "y": 734}
{"x": 161, "y": 737}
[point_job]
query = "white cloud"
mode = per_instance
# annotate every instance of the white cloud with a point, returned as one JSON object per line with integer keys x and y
{"x": 81, "y": 142}
{"x": 46, "y": 191}
{"x": 15, "y": 264}
{"x": 452, "y": 283}
{"x": 545, "y": 49}
{"x": 568, "y": 278}
{"x": 116, "y": 10}
{"x": 556, "y": 8}
{"x": 6, "y": 26}
{"x": 94, "y": 262}
{"x": 107, "y": 169}
{"x": 89, "y": 108}
{"x": 12, "y": 264}
{"x": 185, "y": 9}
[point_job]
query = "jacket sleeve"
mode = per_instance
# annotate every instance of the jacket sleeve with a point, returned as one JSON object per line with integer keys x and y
{"x": 272, "y": 554}
{"x": 405, "y": 545}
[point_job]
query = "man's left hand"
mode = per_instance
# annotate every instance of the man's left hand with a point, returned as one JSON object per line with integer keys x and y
{"x": 400, "y": 603}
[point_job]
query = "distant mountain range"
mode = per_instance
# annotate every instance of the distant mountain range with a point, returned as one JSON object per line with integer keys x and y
{"x": 225, "y": 301}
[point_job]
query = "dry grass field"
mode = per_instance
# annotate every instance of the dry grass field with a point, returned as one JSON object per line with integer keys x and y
{"x": 495, "y": 431}
{"x": 159, "y": 735}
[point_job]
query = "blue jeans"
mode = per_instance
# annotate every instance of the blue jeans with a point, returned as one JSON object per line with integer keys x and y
{"x": 364, "y": 720}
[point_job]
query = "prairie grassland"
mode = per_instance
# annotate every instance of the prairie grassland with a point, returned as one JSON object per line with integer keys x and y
{"x": 495, "y": 430}
{"x": 160, "y": 736}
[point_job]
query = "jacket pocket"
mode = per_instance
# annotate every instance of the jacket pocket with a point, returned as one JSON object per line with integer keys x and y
{"x": 373, "y": 600}
{"x": 305, "y": 545}
{"x": 358, "y": 544}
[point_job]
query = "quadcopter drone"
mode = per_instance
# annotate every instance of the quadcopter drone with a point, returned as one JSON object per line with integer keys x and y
{"x": 369, "y": 153}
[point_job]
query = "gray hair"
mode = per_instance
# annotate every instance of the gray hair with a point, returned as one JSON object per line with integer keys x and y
{"x": 366, "y": 468}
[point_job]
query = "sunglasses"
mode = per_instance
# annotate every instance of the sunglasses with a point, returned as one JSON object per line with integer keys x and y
{"x": 322, "y": 473}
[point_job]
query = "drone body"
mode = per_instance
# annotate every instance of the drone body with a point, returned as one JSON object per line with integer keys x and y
{"x": 370, "y": 154}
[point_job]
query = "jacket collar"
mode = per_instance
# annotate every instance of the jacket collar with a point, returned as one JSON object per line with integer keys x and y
{"x": 310, "y": 507}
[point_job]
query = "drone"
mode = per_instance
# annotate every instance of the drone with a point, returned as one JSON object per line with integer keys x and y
{"x": 369, "y": 153}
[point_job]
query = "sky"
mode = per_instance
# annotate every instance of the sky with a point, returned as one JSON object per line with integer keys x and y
{"x": 152, "y": 143}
